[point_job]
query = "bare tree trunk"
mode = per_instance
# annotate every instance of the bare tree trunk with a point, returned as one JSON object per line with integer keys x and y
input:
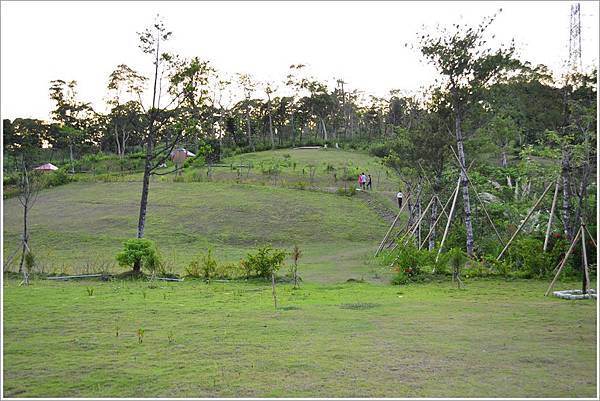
{"x": 271, "y": 125}
{"x": 293, "y": 131}
{"x": 432, "y": 220}
{"x": 464, "y": 180}
{"x": 118, "y": 141}
{"x": 324, "y": 128}
{"x": 582, "y": 193}
{"x": 149, "y": 151}
{"x": 249, "y": 130}
{"x": 25, "y": 236}
{"x": 504, "y": 160}
{"x": 71, "y": 157}
{"x": 566, "y": 181}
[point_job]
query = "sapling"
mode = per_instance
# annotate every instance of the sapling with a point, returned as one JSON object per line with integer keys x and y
{"x": 456, "y": 258}
{"x": 296, "y": 254}
{"x": 140, "y": 335}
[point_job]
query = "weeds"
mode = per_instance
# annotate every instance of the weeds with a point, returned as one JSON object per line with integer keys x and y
{"x": 140, "y": 335}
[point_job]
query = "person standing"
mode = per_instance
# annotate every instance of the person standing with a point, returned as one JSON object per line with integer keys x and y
{"x": 360, "y": 182}
{"x": 399, "y": 196}
{"x": 369, "y": 181}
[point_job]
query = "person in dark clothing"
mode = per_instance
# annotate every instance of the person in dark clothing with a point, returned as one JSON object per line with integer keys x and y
{"x": 369, "y": 183}
{"x": 399, "y": 196}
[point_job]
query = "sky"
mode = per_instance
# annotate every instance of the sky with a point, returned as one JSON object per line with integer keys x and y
{"x": 360, "y": 42}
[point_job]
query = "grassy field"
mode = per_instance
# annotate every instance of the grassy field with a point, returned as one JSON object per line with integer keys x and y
{"x": 330, "y": 338}
{"x": 294, "y": 166}
{"x": 81, "y": 226}
{"x": 492, "y": 339}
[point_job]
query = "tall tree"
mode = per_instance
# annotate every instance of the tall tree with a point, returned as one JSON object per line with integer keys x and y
{"x": 467, "y": 65}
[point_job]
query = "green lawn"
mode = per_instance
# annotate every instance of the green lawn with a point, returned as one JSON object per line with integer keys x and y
{"x": 295, "y": 167}
{"x": 492, "y": 339}
{"x": 81, "y": 226}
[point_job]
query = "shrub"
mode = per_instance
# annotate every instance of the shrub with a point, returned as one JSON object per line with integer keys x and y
{"x": 346, "y": 191}
{"x": 409, "y": 263}
{"x": 139, "y": 253}
{"x": 264, "y": 263}
{"x": 203, "y": 266}
{"x": 526, "y": 256}
{"x": 29, "y": 261}
{"x": 229, "y": 271}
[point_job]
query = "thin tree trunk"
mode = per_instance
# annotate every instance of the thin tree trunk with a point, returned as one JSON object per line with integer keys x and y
{"x": 149, "y": 151}
{"x": 271, "y": 125}
{"x": 566, "y": 184}
{"x": 25, "y": 235}
{"x": 432, "y": 220}
{"x": 249, "y": 130}
{"x": 504, "y": 160}
{"x": 71, "y": 158}
{"x": 293, "y": 131}
{"x": 464, "y": 181}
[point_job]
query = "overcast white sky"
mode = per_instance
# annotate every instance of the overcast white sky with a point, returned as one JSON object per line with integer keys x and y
{"x": 361, "y": 42}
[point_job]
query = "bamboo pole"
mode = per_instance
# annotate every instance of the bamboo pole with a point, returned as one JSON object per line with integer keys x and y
{"x": 591, "y": 237}
{"x": 392, "y": 226}
{"x": 449, "y": 218}
{"x": 430, "y": 184}
{"x": 414, "y": 227}
{"x": 562, "y": 264}
{"x": 523, "y": 222}
{"x": 437, "y": 220}
{"x": 586, "y": 276}
{"x": 478, "y": 197}
{"x": 551, "y": 216}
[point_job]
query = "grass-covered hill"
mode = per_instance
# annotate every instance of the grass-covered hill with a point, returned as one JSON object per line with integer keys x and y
{"x": 81, "y": 226}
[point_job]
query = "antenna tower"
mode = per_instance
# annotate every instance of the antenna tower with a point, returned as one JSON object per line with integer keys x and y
{"x": 574, "y": 63}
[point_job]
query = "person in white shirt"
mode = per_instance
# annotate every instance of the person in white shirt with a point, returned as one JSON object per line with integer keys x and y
{"x": 399, "y": 196}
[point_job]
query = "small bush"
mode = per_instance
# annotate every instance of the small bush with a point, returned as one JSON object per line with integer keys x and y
{"x": 139, "y": 253}
{"x": 265, "y": 262}
{"x": 346, "y": 191}
{"x": 204, "y": 266}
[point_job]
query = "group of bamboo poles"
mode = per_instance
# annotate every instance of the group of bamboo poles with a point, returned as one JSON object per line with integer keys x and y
{"x": 404, "y": 234}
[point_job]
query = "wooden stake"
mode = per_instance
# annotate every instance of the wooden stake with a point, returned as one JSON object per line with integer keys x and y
{"x": 392, "y": 226}
{"x": 414, "y": 227}
{"x": 523, "y": 222}
{"x": 438, "y": 219}
{"x": 478, "y": 197}
{"x": 551, "y": 216}
{"x": 590, "y": 235}
{"x": 449, "y": 218}
{"x": 586, "y": 276}
{"x": 562, "y": 264}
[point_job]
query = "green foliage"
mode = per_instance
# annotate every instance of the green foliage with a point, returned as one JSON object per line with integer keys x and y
{"x": 409, "y": 264}
{"x": 204, "y": 266}
{"x": 139, "y": 252}
{"x": 264, "y": 262}
{"x": 379, "y": 150}
{"x": 29, "y": 261}
{"x": 456, "y": 258}
{"x": 346, "y": 191}
{"x": 526, "y": 259}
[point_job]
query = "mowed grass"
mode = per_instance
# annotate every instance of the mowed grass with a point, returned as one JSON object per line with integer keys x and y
{"x": 492, "y": 339}
{"x": 81, "y": 226}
